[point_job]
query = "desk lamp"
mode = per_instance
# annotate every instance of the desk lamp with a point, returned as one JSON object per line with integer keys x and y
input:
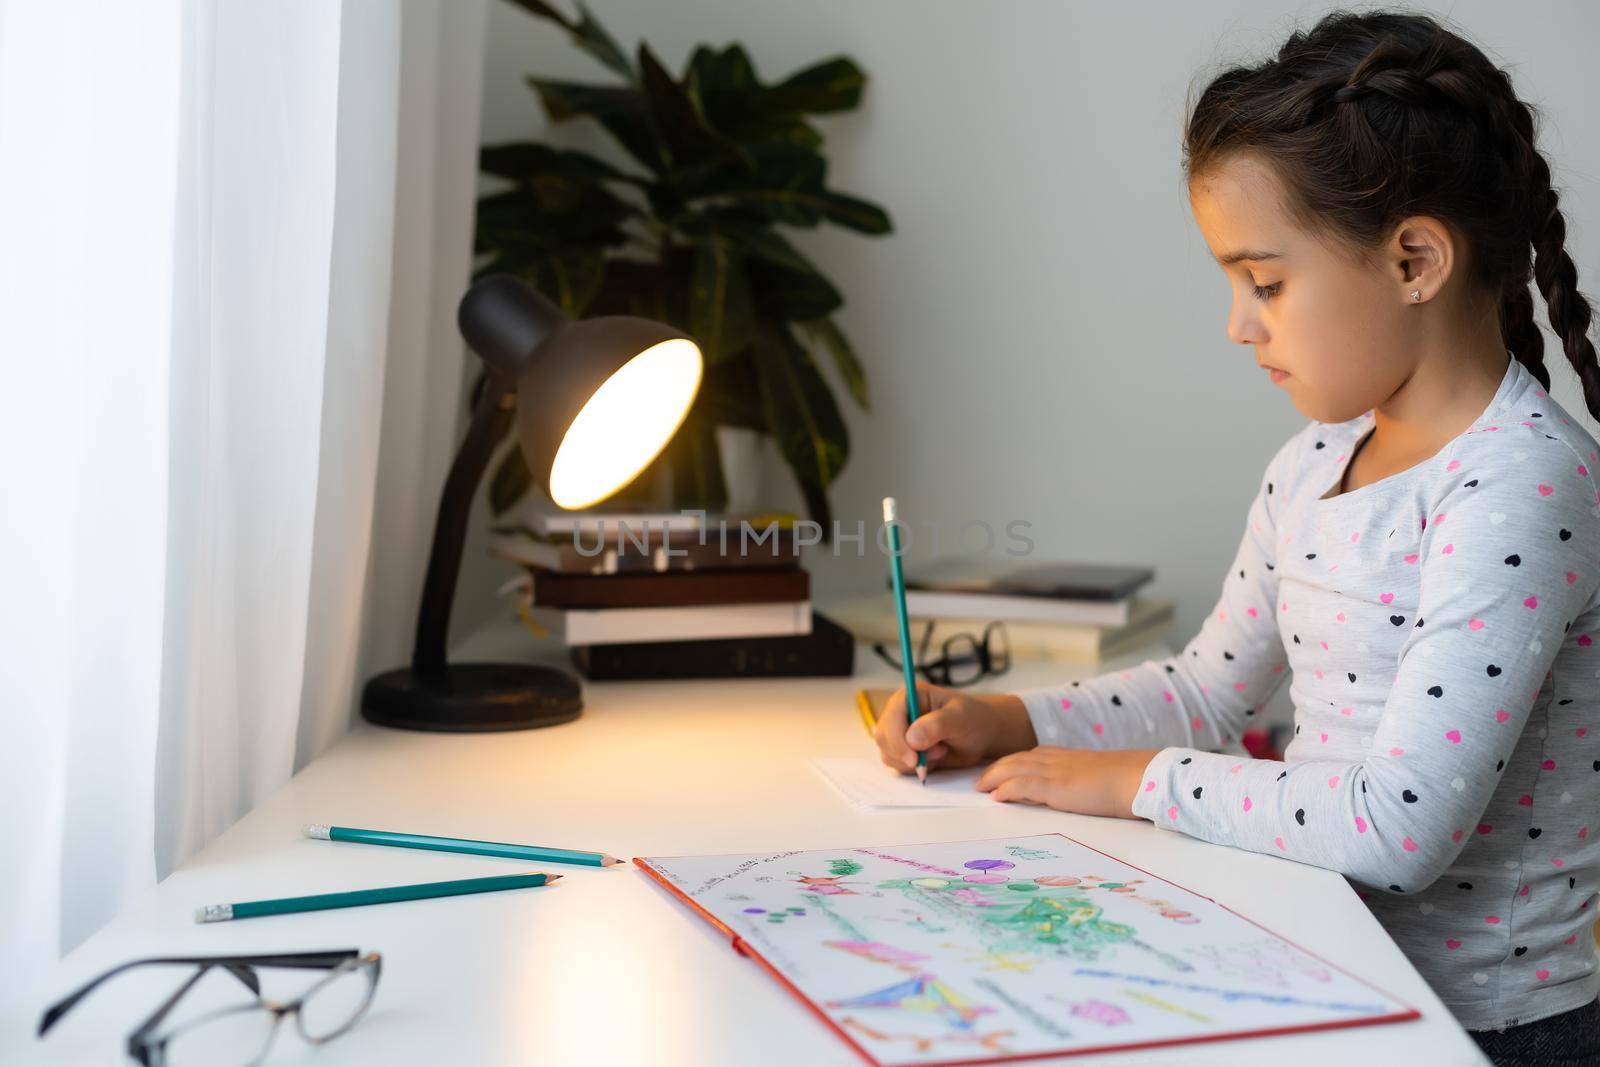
{"x": 592, "y": 403}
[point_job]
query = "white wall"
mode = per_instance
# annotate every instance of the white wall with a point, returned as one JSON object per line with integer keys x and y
{"x": 1045, "y": 330}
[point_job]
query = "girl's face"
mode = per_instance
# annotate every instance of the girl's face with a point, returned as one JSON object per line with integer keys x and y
{"x": 1336, "y": 327}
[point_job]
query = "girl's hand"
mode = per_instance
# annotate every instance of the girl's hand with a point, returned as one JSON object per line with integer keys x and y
{"x": 955, "y": 729}
{"x": 1087, "y": 781}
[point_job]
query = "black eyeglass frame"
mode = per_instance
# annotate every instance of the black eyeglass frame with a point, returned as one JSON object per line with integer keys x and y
{"x": 148, "y": 1048}
{"x": 938, "y": 671}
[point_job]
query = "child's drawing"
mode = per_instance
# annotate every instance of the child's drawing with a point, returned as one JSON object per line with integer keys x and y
{"x": 1025, "y": 946}
{"x": 1099, "y": 1011}
{"x": 923, "y": 993}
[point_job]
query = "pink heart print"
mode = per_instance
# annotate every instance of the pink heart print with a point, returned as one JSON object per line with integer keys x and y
{"x": 1453, "y": 736}
{"x": 1387, "y": 598}
{"x": 1546, "y": 490}
{"x": 1475, "y": 624}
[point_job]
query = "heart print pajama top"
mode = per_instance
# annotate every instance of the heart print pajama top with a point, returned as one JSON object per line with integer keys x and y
{"x": 1440, "y": 632}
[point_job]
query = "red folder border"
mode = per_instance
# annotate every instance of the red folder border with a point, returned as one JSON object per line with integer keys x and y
{"x": 744, "y": 948}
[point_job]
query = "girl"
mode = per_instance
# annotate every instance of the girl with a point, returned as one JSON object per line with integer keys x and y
{"x": 1422, "y": 560}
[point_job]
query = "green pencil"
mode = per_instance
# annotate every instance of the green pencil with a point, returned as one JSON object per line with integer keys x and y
{"x": 216, "y": 913}
{"x": 913, "y": 709}
{"x": 535, "y": 853}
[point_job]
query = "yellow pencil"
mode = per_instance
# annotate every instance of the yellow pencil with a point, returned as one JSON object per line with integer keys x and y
{"x": 864, "y": 705}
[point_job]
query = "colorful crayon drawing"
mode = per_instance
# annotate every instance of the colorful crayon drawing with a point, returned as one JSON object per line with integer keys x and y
{"x": 878, "y": 952}
{"x": 827, "y": 885}
{"x": 1015, "y": 962}
{"x": 1230, "y": 994}
{"x": 991, "y": 1041}
{"x": 1017, "y": 852}
{"x": 958, "y": 951}
{"x": 1052, "y": 920}
{"x": 1098, "y": 1011}
{"x": 1167, "y": 1005}
{"x": 923, "y": 993}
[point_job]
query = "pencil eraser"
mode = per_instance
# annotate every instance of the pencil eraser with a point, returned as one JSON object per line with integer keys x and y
{"x": 318, "y": 831}
{"x": 888, "y": 509}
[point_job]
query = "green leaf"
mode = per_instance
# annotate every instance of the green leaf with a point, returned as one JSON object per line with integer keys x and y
{"x": 751, "y": 234}
{"x": 738, "y": 105}
{"x": 544, "y": 11}
{"x": 791, "y": 295}
{"x": 827, "y": 332}
{"x": 852, "y": 213}
{"x": 622, "y": 112}
{"x": 593, "y": 38}
{"x": 801, "y": 413}
{"x": 720, "y": 316}
{"x": 832, "y": 85}
{"x": 587, "y": 34}
{"x": 510, "y": 482}
{"x": 683, "y": 135}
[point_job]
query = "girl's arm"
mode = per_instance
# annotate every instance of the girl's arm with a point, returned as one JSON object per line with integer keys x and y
{"x": 1488, "y": 630}
{"x": 1206, "y": 694}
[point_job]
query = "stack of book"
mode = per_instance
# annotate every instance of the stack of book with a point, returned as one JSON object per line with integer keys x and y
{"x": 680, "y": 595}
{"x": 1072, "y": 612}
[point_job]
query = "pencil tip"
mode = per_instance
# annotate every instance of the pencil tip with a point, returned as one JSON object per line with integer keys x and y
{"x": 609, "y": 861}
{"x": 922, "y": 775}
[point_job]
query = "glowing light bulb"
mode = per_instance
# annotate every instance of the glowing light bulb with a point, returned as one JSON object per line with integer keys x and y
{"x": 625, "y": 424}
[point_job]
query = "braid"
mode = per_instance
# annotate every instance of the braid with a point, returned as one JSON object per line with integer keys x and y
{"x": 1521, "y": 333}
{"x": 1558, "y": 281}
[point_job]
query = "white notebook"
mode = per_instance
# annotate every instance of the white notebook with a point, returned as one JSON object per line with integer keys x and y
{"x": 870, "y": 785}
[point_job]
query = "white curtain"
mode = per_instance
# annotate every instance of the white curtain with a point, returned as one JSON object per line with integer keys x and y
{"x": 197, "y": 225}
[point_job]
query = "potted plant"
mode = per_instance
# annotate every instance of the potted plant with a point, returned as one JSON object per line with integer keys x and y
{"x": 690, "y": 234}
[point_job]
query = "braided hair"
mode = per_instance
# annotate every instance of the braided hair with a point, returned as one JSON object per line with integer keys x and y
{"x": 1371, "y": 117}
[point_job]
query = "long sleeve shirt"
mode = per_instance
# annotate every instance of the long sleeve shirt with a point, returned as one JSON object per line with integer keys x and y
{"x": 1439, "y": 632}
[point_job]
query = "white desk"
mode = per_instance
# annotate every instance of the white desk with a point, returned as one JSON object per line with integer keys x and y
{"x": 605, "y": 968}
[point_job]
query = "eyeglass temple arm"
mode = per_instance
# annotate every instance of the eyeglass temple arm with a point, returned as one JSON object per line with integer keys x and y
{"x": 238, "y": 966}
{"x": 137, "y": 1038}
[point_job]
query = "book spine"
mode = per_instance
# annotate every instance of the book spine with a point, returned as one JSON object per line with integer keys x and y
{"x": 671, "y": 589}
{"x": 828, "y": 651}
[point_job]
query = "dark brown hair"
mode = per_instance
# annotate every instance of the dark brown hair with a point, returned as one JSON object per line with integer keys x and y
{"x": 1370, "y": 117}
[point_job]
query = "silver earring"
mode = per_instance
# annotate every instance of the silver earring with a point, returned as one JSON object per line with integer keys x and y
{"x": 1416, "y": 295}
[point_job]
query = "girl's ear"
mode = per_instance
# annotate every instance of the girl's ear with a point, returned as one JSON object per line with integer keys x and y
{"x": 1421, "y": 257}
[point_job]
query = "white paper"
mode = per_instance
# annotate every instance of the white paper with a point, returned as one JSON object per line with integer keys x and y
{"x": 981, "y": 950}
{"x": 869, "y": 784}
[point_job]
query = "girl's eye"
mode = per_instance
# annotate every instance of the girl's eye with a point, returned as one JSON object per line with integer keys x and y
{"x": 1266, "y": 292}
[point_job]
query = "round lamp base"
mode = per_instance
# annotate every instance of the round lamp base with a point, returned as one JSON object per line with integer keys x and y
{"x": 472, "y": 698}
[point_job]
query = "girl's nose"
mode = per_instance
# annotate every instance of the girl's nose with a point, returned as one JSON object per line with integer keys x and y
{"x": 1243, "y": 327}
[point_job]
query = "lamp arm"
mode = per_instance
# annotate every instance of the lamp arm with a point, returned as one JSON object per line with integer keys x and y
{"x": 491, "y": 419}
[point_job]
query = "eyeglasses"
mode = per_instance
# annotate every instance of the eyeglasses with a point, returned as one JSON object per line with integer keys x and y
{"x": 330, "y": 1007}
{"x": 966, "y": 658}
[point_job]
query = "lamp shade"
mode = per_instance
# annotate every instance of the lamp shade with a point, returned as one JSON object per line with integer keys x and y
{"x": 597, "y": 399}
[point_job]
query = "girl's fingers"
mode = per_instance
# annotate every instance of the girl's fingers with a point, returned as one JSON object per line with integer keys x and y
{"x": 932, "y": 727}
{"x": 890, "y": 733}
{"x": 1026, "y": 789}
{"x": 937, "y": 753}
{"x": 1007, "y": 767}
